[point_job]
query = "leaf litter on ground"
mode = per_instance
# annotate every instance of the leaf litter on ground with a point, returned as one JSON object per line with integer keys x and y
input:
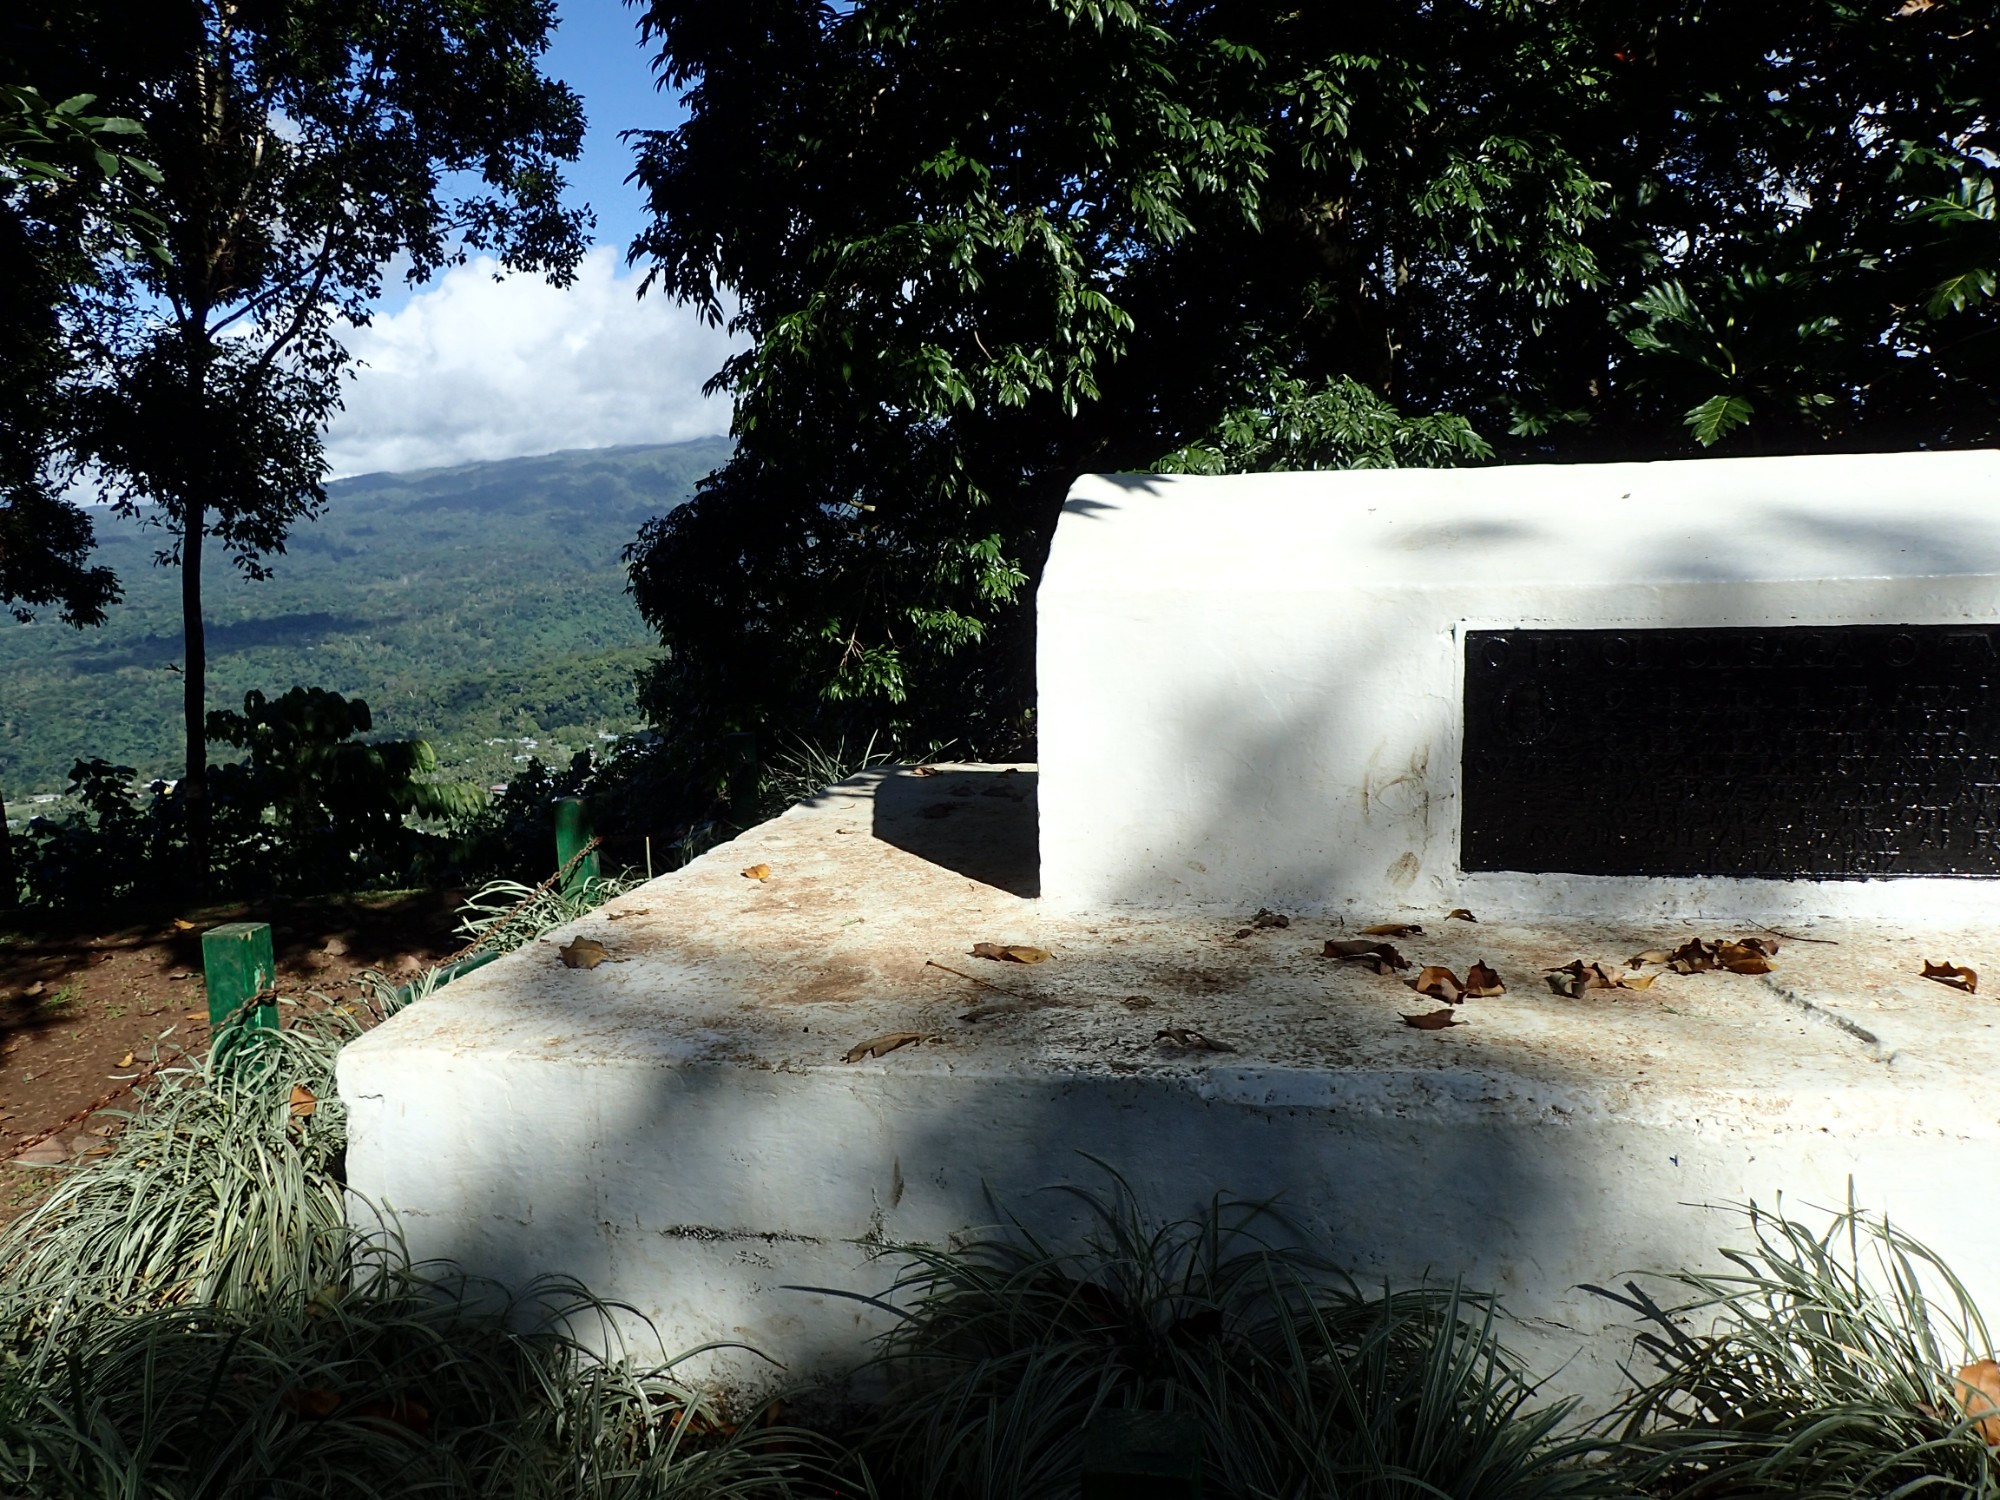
{"x": 889, "y": 1041}
{"x": 1010, "y": 953}
{"x": 1956, "y": 975}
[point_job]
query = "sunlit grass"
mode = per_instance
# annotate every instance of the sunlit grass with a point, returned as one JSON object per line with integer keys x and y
{"x": 1820, "y": 1363}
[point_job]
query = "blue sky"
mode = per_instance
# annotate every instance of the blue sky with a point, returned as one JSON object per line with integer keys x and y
{"x": 597, "y": 53}
{"x": 475, "y": 366}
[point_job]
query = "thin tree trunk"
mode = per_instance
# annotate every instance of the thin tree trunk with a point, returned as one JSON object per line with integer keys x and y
{"x": 10, "y": 888}
{"x": 194, "y": 691}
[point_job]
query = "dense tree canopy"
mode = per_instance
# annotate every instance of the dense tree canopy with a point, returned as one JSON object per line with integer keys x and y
{"x": 302, "y": 146}
{"x": 980, "y": 248}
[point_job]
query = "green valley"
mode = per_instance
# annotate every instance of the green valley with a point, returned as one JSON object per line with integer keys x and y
{"x": 482, "y": 607}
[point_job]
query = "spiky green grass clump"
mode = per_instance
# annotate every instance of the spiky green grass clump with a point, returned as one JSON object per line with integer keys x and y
{"x": 393, "y": 1385}
{"x": 192, "y": 1318}
{"x": 223, "y": 1190}
{"x": 1299, "y": 1384}
{"x": 504, "y": 914}
{"x": 1820, "y": 1364}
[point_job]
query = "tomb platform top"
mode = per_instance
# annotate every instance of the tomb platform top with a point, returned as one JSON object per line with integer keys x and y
{"x": 878, "y": 890}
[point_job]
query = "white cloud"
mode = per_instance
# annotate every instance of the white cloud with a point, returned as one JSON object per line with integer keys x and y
{"x": 472, "y": 368}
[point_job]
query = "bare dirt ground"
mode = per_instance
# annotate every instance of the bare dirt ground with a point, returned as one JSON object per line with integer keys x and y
{"x": 86, "y": 1004}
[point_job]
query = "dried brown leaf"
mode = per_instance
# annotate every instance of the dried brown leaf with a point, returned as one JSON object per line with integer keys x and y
{"x": 1743, "y": 958}
{"x": 1242, "y": 932}
{"x": 1377, "y": 963}
{"x": 1438, "y": 983}
{"x": 304, "y": 1102}
{"x": 1576, "y": 976}
{"x": 584, "y": 953}
{"x": 1392, "y": 929}
{"x": 1265, "y": 919}
{"x": 923, "y": 770}
{"x": 1977, "y": 1389}
{"x": 1692, "y": 957}
{"x": 757, "y": 872}
{"x": 1637, "y": 981}
{"x": 1192, "y": 1040}
{"x": 1956, "y": 975}
{"x": 1482, "y": 983}
{"x": 1459, "y": 914}
{"x": 1650, "y": 956}
{"x": 1010, "y": 953}
{"x": 1383, "y": 955}
{"x": 1435, "y": 1020}
{"x": 883, "y": 1045}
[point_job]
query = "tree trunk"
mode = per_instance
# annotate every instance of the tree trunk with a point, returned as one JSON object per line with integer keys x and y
{"x": 10, "y": 887}
{"x": 194, "y": 692}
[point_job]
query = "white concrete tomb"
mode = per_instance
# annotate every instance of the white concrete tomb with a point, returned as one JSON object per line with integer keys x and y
{"x": 1250, "y": 698}
{"x": 1250, "y": 688}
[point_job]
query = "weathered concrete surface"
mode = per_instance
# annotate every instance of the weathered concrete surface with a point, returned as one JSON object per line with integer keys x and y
{"x": 1251, "y": 688}
{"x": 678, "y": 1128}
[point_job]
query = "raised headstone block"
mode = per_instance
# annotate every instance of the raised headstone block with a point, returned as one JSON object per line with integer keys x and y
{"x": 1751, "y": 686}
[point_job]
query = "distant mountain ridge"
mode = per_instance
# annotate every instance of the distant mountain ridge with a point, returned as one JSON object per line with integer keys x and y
{"x": 482, "y": 602}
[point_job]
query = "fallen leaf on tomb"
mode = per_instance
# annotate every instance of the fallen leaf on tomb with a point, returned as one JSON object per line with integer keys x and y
{"x": 1393, "y": 929}
{"x": 584, "y": 953}
{"x": 1576, "y": 976}
{"x": 1188, "y": 1037}
{"x": 1459, "y": 914}
{"x": 1355, "y": 948}
{"x": 1435, "y": 1020}
{"x": 1745, "y": 957}
{"x": 1010, "y": 953}
{"x": 1482, "y": 983}
{"x": 757, "y": 872}
{"x": 923, "y": 770}
{"x": 882, "y": 1046}
{"x": 1380, "y": 963}
{"x": 1978, "y": 1392}
{"x": 1956, "y": 975}
{"x": 1265, "y": 919}
{"x": 1692, "y": 957}
{"x": 304, "y": 1101}
{"x": 1650, "y": 956}
{"x": 1439, "y": 984}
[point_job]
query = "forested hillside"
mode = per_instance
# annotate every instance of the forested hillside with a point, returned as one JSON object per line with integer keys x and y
{"x": 466, "y": 605}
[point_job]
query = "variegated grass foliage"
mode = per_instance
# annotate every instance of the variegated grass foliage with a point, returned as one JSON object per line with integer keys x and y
{"x": 1822, "y": 1362}
{"x": 505, "y": 915}
{"x": 1300, "y": 1382}
{"x": 193, "y": 1317}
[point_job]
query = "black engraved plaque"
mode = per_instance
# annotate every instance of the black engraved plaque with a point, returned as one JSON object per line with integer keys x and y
{"x": 1846, "y": 753}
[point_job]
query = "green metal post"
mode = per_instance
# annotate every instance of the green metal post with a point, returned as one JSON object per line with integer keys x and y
{"x": 238, "y": 962}
{"x": 573, "y": 832}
